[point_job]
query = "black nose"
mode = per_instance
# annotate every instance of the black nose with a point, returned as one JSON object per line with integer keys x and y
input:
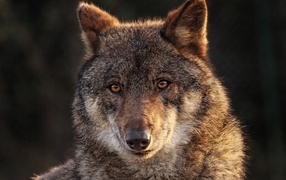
{"x": 137, "y": 140}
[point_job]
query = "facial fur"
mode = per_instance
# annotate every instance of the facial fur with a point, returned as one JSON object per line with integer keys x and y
{"x": 147, "y": 103}
{"x": 136, "y": 61}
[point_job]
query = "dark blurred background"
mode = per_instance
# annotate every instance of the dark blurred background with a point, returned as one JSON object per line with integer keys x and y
{"x": 40, "y": 50}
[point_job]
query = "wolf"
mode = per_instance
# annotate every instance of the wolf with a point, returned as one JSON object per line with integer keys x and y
{"x": 147, "y": 103}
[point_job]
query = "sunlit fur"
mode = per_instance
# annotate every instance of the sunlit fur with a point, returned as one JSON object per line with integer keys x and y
{"x": 193, "y": 134}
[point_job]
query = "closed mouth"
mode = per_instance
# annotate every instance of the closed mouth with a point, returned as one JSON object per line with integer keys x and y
{"x": 141, "y": 154}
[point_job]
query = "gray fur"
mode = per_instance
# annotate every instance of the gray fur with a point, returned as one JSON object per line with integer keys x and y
{"x": 193, "y": 133}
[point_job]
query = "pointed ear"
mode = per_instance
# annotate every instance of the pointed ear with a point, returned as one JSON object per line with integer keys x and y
{"x": 92, "y": 21}
{"x": 185, "y": 28}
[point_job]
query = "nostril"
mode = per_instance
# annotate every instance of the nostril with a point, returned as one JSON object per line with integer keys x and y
{"x": 130, "y": 144}
{"x": 144, "y": 143}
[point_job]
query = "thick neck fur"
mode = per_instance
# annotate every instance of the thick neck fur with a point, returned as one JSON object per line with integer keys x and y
{"x": 109, "y": 165}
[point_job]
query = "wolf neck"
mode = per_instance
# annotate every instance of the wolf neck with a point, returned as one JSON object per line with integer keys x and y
{"x": 109, "y": 165}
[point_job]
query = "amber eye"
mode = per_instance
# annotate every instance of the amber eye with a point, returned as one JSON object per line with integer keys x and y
{"x": 162, "y": 84}
{"x": 115, "y": 88}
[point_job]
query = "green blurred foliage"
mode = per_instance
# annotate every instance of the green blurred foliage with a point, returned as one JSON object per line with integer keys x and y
{"x": 40, "y": 51}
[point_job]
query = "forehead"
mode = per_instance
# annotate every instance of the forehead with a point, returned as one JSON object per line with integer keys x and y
{"x": 138, "y": 54}
{"x": 138, "y": 45}
{"x": 131, "y": 35}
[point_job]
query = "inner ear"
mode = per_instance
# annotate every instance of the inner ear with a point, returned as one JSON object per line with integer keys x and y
{"x": 185, "y": 28}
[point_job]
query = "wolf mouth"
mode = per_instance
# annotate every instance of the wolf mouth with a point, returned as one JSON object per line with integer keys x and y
{"x": 143, "y": 153}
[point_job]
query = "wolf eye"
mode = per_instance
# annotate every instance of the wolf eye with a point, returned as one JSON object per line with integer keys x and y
{"x": 115, "y": 88}
{"x": 163, "y": 84}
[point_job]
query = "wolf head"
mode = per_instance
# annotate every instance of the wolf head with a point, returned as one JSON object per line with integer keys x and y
{"x": 145, "y": 86}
